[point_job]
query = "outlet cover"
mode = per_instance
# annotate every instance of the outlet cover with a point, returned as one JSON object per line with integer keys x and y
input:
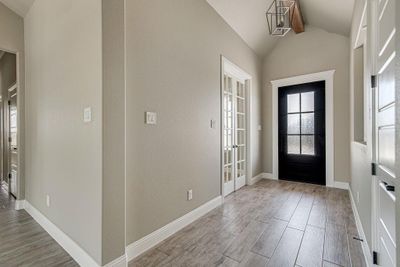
{"x": 151, "y": 118}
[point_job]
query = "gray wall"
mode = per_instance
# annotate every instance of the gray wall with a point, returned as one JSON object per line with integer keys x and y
{"x": 315, "y": 50}
{"x": 173, "y": 68}
{"x": 63, "y": 154}
{"x": 12, "y": 40}
{"x": 361, "y": 157}
{"x": 113, "y": 226}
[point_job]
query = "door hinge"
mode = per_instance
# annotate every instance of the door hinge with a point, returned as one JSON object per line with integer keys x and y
{"x": 9, "y": 139}
{"x": 373, "y": 168}
{"x": 9, "y": 175}
{"x": 9, "y": 102}
{"x": 375, "y": 257}
{"x": 374, "y": 81}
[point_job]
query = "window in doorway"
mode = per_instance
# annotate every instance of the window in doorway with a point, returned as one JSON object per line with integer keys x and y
{"x": 300, "y": 124}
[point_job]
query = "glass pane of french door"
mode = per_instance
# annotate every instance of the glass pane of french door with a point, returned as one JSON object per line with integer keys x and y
{"x": 234, "y": 111}
{"x": 228, "y": 135}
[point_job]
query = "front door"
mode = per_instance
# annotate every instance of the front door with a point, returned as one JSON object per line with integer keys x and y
{"x": 234, "y": 116}
{"x": 385, "y": 135}
{"x": 302, "y": 133}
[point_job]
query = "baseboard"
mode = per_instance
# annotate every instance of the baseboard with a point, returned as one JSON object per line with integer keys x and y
{"x": 19, "y": 204}
{"x": 270, "y": 176}
{"x": 256, "y": 178}
{"x": 360, "y": 229}
{"x": 135, "y": 249}
{"x": 119, "y": 262}
{"x": 73, "y": 249}
{"x": 341, "y": 185}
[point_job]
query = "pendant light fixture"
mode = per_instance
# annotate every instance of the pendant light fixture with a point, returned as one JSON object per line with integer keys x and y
{"x": 280, "y": 16}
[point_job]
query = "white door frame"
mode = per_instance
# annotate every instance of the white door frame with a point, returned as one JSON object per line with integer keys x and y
{"x": 326, "y": 76}
{"x": 229, "y": 67}
{"x": 19, "y": 124}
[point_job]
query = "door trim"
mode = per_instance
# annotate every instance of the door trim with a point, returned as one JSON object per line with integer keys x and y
{"x": 326, "y": 76}
{"x": 228, "y": 66}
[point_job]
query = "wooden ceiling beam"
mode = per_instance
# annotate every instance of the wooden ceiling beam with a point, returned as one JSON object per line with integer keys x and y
{"x": 297, "y": 21}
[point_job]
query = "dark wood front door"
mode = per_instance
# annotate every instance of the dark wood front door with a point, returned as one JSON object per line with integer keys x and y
{"x": 302, "y": 133}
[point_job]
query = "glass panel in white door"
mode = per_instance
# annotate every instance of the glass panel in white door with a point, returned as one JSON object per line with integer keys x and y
{"x": 234, "y": 134}
{"x": 229, "y": 182}
{"x": 240, "y": 136}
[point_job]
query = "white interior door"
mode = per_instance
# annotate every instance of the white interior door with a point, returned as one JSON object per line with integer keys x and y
{"x": 234, "y": 135}
{"x": 385, "y": 133}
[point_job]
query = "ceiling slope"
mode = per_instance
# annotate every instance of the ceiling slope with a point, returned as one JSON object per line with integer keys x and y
{"x": 21, "y": 7}
{"x": 248, "y": 19}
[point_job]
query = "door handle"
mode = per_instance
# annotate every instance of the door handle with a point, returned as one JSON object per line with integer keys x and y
{"x": 390, "y": 188}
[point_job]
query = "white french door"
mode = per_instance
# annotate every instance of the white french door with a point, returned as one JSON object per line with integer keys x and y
{"x": 385, "y": 133}
{"x": 234, "y": 133}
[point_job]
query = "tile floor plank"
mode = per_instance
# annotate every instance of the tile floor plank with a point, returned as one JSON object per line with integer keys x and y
{"x": 336, "y": 249}
{"x": 269, "y": 239}
{"x": 244, "y": 241}
{"x": 286, "y": 252}
{"x": 312, "y": 247}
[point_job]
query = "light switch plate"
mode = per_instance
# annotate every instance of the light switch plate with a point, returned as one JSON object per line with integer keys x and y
{"x": 48, "y": 201}
{"x": 151, "y": 118}
{"x": 190, "y": 194}
{"x": 87, "y": 114}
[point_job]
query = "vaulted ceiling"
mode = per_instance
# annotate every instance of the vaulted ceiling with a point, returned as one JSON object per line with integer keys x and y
{"x": 21, "y": 7}
{"x": 247, "y": 18}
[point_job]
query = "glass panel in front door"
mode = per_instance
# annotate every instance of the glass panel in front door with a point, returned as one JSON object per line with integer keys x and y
{"x": 300, "y": 124}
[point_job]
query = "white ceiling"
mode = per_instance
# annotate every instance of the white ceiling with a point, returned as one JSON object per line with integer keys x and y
{"x": 247, "y": 18}
{"x": 21, "y": 7}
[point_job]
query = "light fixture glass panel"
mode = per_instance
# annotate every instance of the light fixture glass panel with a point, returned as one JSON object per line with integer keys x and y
{"x": 307, "y": 123}
{"x": 293, "y": 124}
{"x": 293, "y": 103}
{"x": 307, "y": 101}
{"x": 293, "y": 144}
{"x": 307, "y": 145}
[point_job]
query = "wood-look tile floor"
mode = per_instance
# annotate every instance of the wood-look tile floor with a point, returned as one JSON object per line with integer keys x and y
{"x": 23, "y": 242}
{"x": 272, "y": 223}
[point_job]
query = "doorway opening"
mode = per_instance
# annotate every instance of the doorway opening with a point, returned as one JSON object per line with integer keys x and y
{"x": 302, "y": 133}
{"x": 235, "y": 134}
{"x": 8, "y": 123}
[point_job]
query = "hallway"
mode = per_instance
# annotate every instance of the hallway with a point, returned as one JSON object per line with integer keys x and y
{"x": 23, "y": 242}
{"x": 272, "y": 223}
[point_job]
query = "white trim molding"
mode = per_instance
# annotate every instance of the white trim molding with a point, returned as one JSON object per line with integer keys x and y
{"x": 361, "y": 234}
{"x": 119, "y": 262}
{"x": 142, "y": 245}
{"x": 256, "y": 178}
{"x": 326, "y": 76}
{"x": 341, "y": 185}
{"x": 263, "y": 175}
{"x": 69, "y": 245}
{"x": 19, "y": 204}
